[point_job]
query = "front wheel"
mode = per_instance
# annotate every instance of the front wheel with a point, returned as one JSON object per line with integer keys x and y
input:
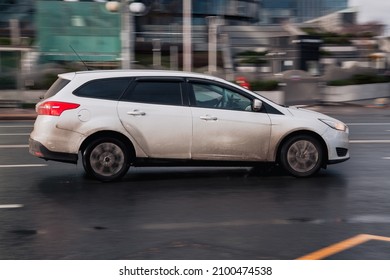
{"x": 106, "y": 159}
{"x": 301, "y": 156}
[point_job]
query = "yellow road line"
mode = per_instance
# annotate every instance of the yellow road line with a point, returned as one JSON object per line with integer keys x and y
{"x": 342, "y": 246}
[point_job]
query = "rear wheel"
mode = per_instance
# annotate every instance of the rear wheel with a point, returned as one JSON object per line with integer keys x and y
{"x": 106, "y": 159}
{"x": 301, "y": 156}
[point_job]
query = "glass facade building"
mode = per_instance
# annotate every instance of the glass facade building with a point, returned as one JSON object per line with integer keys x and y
{"x": 234, "y": 11}
{"x": 22, "y": 10}
{"x": 274, "y": 12}
{"x": 165, "y": 12}
{"x": 161, "y": 11}
{"x": 335, "y": 5}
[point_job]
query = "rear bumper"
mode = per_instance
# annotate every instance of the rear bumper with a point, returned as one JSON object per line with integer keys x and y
{"x": 39, "y": 150}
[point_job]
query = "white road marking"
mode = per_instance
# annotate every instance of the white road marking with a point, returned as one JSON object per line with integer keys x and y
{"x": 363, "y": 219}
{"x": 22, "y": 165}
{"x": 13, "y": 146}
{"x": 14, "y": 134}
{"x": 15, "y": 126}
{"x": 193, "y": 225}
{"x": 368, "y": 124}
{"x": 386, "y": 158}
{"x": 369, "y": 141}
{"x": 8, "y": 206}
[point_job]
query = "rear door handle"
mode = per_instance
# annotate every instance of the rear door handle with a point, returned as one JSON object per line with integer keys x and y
{"x": 208, "y": 118}
{"x": 136, "y": 113}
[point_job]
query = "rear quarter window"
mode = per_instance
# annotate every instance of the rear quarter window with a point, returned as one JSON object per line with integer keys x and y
{"x": 110, "y": 89}
{"x": 56, "y": 87}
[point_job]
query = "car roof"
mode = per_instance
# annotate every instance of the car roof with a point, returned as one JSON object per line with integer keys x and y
{"x": 94, "y": 74}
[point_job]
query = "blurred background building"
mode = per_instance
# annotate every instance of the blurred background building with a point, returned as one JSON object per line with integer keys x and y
{"x": 296, "y": 11}
{"x": 254, "y": 37}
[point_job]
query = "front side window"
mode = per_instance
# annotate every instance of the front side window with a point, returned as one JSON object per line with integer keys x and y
{"x": 110, "y": 89}
{"x": 215, "y": 96}
{"x": 156, "y": 92}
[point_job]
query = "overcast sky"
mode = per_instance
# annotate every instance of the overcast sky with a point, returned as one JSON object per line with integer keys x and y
{"x": 373, "y": 10}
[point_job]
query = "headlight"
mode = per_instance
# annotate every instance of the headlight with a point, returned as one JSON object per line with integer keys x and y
{"x": 335, "y": 124}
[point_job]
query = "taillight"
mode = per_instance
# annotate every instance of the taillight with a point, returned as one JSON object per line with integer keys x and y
{"x": 55, "y": 108}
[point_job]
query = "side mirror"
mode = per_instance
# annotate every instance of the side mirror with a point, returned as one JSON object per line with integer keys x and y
{"x": 256, "y": 105}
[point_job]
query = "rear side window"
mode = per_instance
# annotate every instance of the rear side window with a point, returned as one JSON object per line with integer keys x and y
{"x": 156, "y": 92}
{"x": 56, "y": 87}
{"x": 110, "y": 89}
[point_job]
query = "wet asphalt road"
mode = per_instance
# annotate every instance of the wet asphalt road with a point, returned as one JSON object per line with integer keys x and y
{"x": 50, "y": 210}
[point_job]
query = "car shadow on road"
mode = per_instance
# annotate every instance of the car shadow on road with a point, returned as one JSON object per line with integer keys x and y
{"x": 180, "y": 178}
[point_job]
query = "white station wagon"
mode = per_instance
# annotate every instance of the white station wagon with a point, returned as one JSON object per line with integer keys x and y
{"x": 120, "y": 118}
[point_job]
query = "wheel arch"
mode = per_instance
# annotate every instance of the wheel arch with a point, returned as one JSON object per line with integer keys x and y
{"x": 304, "y": 133}
{"x": 113, "y": 134}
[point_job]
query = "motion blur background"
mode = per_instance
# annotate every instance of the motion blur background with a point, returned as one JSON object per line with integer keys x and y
{"x": 260, "y": 40}
{"x": 291, "y": 51}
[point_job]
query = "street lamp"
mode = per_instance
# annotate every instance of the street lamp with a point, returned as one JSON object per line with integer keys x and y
{"x": 187, "y": 35}
{"x": 128, "y": 9}
{"x": 213, "y": 23}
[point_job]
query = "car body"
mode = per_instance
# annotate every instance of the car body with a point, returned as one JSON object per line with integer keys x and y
{"x": 121, "y": 118}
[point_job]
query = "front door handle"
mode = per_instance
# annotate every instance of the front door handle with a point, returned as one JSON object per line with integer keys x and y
{"x": 136, "y": 113}
{"x": 208, "y": 118}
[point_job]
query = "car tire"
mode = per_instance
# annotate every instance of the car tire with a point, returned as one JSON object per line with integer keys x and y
{"x": 106, "y": 159}
{"x": 301, "y": 155}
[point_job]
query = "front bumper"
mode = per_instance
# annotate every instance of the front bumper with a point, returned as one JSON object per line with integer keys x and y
{"x": 39, "y": 150}
{"x": 338, "y": 145}
{"x": 334, "y": 161}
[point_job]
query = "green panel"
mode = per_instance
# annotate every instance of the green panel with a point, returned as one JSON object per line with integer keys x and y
{"x": 88, "y": 27}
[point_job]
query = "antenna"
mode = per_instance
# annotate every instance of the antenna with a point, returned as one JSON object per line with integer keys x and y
{"x": 79, "y": 57}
